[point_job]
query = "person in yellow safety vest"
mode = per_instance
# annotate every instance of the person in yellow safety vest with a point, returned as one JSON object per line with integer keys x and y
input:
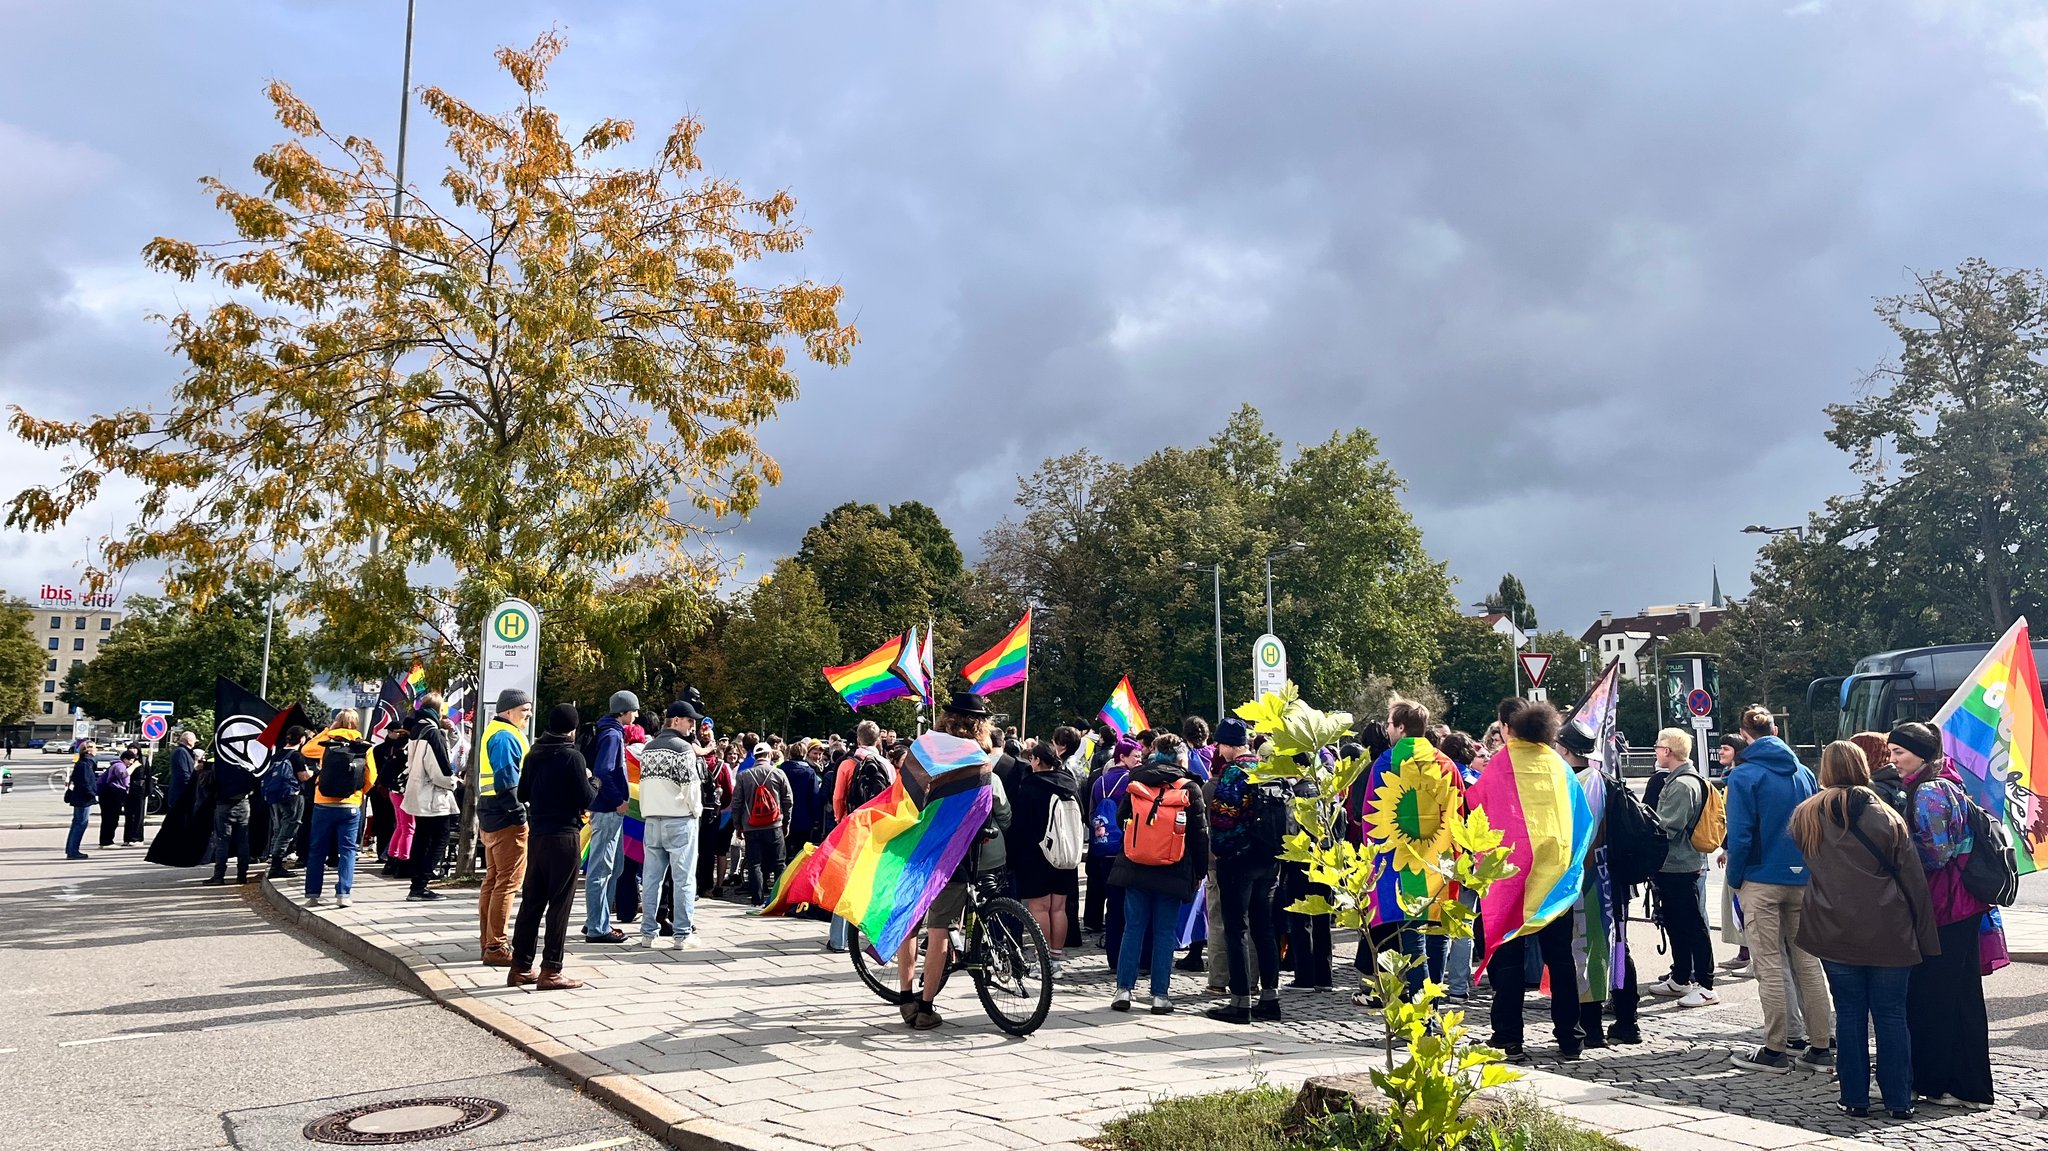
{"x": 501, "y": 821}
{"x": 337, "y": 825}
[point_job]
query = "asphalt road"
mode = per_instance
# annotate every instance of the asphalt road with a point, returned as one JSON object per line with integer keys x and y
{"x": 141, "y": 1010}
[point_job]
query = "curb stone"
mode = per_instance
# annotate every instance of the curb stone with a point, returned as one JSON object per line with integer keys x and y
{"x": 651, "y": 1111}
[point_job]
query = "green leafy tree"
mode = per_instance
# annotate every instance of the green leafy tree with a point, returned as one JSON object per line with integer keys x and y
{"x": 549, "y": 369}
{"x": 1511, "y": 599}
{"x": 1951, "y": 439}
{"x": 779, "y": 638}
{"x": 1472, "y": 673}
{"x": 1571, "y": 666}
{"x": 873, "y": 581}
{"x": 21, "y": 661}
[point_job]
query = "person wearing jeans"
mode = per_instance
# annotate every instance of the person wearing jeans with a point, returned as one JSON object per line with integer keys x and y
{"x": 1154, "y": 893}
{"x": 671, "y": 802}
{"x": 607, "y": 818}
{"x": 82, "y": 794}
{"x": 1869, "y": 916}
{"x": 335, "y": 829}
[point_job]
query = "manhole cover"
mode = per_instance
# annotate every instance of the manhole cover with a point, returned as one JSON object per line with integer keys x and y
{"x": 403, "y": 1120}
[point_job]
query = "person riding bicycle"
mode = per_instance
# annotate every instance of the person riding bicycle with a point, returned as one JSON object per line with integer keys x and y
{"x": 967, "y": 717}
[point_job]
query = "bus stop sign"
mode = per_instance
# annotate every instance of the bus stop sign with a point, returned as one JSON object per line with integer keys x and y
{"x": 1700, "y": 702}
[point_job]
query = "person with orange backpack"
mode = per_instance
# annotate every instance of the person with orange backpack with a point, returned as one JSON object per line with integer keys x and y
{"x": 1694, "y": 815}
{"x": 761, "y": 804}
{"x": 1164, "y": 858}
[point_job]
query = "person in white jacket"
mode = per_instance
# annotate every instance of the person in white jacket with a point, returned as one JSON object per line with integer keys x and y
{"x": 671, "y": 802}
{"x": 430, "y": 782}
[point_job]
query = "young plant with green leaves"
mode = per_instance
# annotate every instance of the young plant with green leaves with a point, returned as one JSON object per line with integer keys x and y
{"x": 1421, "y": 830}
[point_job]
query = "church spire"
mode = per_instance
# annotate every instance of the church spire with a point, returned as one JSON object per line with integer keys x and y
{"x": 1717, "y": 587}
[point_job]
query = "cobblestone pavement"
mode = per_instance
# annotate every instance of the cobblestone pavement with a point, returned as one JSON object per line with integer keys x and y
{"x": 760, "y": 1029}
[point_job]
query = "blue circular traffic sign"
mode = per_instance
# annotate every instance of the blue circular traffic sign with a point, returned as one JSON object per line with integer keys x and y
{"x": 1700, "y": 701}
{"x": 153, "y": 727}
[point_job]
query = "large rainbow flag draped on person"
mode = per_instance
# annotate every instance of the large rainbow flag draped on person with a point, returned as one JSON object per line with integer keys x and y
{"x": 881, "y": 868}
{"x": 1411, "y": 793}
{"x": 1995, "y": 730}
{"x": 1007, "y": 664}
{"x": 871, "y": 679}
{"x": 1123, "y": 711}
{"x": 1529, "y": 794}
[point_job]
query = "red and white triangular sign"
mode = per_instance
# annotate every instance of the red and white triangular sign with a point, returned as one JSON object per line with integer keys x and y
{"x": 1535, "y": 664}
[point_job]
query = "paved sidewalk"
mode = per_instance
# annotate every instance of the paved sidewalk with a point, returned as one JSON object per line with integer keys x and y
{"x": 143, "y": 1011}
{"x": 761, "y": 1039}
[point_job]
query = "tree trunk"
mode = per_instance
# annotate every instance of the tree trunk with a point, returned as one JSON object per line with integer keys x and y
{"x": 1997, "y": 587}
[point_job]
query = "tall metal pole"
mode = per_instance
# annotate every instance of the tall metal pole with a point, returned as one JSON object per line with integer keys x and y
{"x": 397, "y": 214}
{"x": 1269, "y": 595}
{"x": 1217, "y": 571}
{"x": 269, "y": 614}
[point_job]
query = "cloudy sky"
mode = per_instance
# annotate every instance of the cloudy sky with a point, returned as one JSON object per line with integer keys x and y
{"x": 1589, "y": 269}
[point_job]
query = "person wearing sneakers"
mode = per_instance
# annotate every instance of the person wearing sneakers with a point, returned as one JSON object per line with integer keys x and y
{"x": 337, "y": 812}
{"x": 1869, "y": 918}
{"x": 1248, "y": 871}
{"x": 501, "y": 822}
{"x": 607, "y": 818}
{"x": 556, "y": 786}
{"x": 1164, "y": 858}
{"x": 1945, "y": 1012}
{"x": 1681, "y": 884}
{"x": 671, "y": 802}
{"x": 1769, "y": 875}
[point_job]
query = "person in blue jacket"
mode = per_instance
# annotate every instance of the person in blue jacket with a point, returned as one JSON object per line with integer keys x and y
{"x": 1768, "y": 873}
{"x": 607, "y": 818}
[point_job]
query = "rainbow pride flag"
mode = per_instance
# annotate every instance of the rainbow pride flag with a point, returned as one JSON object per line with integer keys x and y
{"x": 1007, "y": 664}
{"x": 872, "y": 679}
{"x": 633, "y": 833}
{"x": 1994, "y": 729}
{"x": 881, "y": 868}
{"x": 1530, "y": 795}
{"x": 1123, "y": 711}
{"x": 415, "y": 682}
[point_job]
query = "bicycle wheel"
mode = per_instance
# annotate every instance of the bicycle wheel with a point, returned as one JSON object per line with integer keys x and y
{"x": 880, "y": 975}
{"x": 1012, "y": 967}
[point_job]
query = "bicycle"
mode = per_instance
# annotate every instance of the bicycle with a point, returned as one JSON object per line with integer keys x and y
{"x": 998, "y": 944}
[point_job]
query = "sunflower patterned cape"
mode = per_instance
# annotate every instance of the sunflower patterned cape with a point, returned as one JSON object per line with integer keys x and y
{"x": 1411, "y": 792}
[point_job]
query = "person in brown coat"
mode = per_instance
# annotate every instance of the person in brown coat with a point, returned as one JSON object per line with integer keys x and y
{"x": 1868, "y": 919}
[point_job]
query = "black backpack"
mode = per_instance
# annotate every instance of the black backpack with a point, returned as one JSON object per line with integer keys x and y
{"x": 1991, "y": 871}
{"x": 1269, "y": 818}
{"x": 869, "y": 780}
{"x": 342, "y": 769}
{"x": 1636, "y": 841}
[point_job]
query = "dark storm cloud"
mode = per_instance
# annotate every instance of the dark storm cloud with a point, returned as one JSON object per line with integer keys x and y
{"x": 1590, "y": 270}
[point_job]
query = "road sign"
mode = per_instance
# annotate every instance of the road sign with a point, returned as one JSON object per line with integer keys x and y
{"x": 162, "y": 707}
{"x": 1535, "y": 665}
{"x": 154, "y": 727}
{"x": 81, "y": 728}
{"x": 509, "y": 656}
{"x": 1269, "y": 665}
{"x": 1700, "y": 702}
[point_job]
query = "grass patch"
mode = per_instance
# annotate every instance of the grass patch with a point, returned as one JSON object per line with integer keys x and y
{"x": 1255, "y": 1119}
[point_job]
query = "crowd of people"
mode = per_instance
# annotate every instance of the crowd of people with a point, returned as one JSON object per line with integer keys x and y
{"x": 1846, "y": 894}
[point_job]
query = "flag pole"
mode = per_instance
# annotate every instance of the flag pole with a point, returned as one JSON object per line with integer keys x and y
{"x": 1024, "y": 724}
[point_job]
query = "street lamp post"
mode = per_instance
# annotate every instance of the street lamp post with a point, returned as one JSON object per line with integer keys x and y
{"x": 1294, "y": 548}
{"x": 1217, "y": 571}
{"x": 1798, "y": 531}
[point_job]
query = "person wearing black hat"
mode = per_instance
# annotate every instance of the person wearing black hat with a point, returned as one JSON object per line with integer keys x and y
{"x": 671, "y": 804}
{"x": 501, "y": 822}
{"x": 1577, "y": 742}
{"x": 556, "y": 786}
{"x": 1945, "y": 1015}
{"x": 965, "y": 716}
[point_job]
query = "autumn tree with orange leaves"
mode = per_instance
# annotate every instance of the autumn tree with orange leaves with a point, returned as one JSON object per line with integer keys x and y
{"x": 553, "y": 354}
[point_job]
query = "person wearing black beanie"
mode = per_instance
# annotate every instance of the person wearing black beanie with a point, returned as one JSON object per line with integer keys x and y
{"x": 557, "y": 787}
